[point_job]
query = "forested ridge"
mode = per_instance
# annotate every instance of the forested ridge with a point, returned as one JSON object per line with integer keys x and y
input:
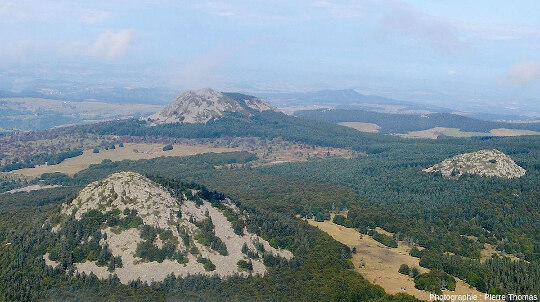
{"x": 319, "y": 271}
{"x": 451, "y": 219}
{"x": 403, "y": 123}
{"x": 445, "y": 215}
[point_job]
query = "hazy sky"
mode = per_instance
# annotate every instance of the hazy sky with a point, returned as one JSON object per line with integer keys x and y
{"x": 474, "y": 51}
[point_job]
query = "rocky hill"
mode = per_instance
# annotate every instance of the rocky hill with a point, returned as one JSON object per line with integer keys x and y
{"x": 133, "y": 227}
{"x": 201, "y": 106}
{"x": 484, "y": 163}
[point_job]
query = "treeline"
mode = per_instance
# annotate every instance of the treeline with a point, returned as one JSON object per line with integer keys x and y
{"x": 494, "y": 275}
{"x": 403, "y": 123}
{"x": 40, "y": 159}
{"x": 267, "y": 124}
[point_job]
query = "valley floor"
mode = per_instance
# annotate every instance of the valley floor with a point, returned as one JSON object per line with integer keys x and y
{"x": 131, "y": 151}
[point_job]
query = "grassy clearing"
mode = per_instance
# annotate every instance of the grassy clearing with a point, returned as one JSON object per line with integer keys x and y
{"x": 434, "y": 133}
{"x": 362, "y": 127}
{"x": 380, "y": 264}
{"x": 132, "y": 151}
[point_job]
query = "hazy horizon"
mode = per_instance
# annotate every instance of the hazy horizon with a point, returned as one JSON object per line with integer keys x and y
{"x": 458, "y": 53}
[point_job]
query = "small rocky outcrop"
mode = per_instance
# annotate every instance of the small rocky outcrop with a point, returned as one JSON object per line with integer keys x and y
{"x": 490, "y": 163}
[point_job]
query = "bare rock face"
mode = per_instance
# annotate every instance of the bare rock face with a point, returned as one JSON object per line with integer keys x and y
{"x": 490, "y": 163}
{"x": 201, "y": 106}
{"x": 150, "y": 232}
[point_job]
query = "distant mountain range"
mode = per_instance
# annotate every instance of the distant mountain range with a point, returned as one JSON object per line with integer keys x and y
{"x": 346, "y": 98}
{"x": 351, "y": 99}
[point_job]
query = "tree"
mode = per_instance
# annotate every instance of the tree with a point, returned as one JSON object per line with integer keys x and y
{"x": 404, "y": 269}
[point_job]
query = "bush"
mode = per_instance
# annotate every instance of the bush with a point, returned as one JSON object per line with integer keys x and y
{"x": 341, "y": 220}
{"x": 384, "y": 239}
{"x": 415, "y": 252}
{"x": 404, "y": 269}
{"x": 207, "y": 264}
{"x": 435, "y": 281}
{"x": 321, "y": 216}
{"x": 168, "y": 147}
{"x": 245, "y": 265}
{"x": 96, "y": 150}
{"x": 414, "y": 272}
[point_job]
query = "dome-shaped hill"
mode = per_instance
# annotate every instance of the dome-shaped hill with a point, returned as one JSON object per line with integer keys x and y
{"x": 201, "y": 106}
{"x": 131, "y": 226}
{"x": 484, "y": 163}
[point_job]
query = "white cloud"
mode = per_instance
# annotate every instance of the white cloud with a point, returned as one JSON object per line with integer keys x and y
{"x": 438, "y": 33}
{"x": 20, "y": 52}
{"x": 112, "y": 45}
{"x": 218, "y": 8}
{"x": 524, "y": 72}
{"x": 500, "y": 32}
{"x": 337, "y": 10}
{"x": 94, "y": 16}
{"x": 108, "y": 45}
{"x": 50, "y": 11}
{"x": 396, "y": 17}
{"x": 203, "y": 70}
{"x": 10, "y": 11}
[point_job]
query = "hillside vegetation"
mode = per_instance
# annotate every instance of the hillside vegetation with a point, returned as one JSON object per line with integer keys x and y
{"x": 449, "y": 224}
{"x": 133, "y": 227}
{"x": 404, "y": 123}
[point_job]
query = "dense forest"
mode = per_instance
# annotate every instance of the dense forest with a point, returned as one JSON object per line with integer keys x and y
{"x": 403, "y": 123}
{"x": 500, "y": 212}
{"x": 451, "y": 219}
{"x": 320, "y": 270}
{"x": 267, "y": 124}
{"x": 446, "y": 216}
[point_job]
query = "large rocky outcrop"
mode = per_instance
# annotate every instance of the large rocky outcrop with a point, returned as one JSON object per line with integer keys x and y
{"x": 131, "y": 226}
{"x": 490, "y": 163}
{"x": 201, "y": 106}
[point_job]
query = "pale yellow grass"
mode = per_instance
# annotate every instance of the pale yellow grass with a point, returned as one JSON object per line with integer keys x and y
{"x": 362, "y": 127}
{"x": 379, "y": 264}
{"x": 132, "y": 151}
{"x": 512, "y": 132}
{"x": 488, "y": 251}
{"x": 434, "y": 133}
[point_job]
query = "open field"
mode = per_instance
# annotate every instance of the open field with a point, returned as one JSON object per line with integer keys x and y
{"x": 379, "y": 264}
{"x": 362, "y": 127}
{"x": 433, "y": 133}
{"x": 269, "y": 151}
{"x": 132, "y": 151}
{"x": 31, "y": 188}
{"x": 26, "y": 145}
{"x": 39, "y": 113}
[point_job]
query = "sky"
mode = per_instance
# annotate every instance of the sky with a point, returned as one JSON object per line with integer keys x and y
{"x": 483, "y": 51}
